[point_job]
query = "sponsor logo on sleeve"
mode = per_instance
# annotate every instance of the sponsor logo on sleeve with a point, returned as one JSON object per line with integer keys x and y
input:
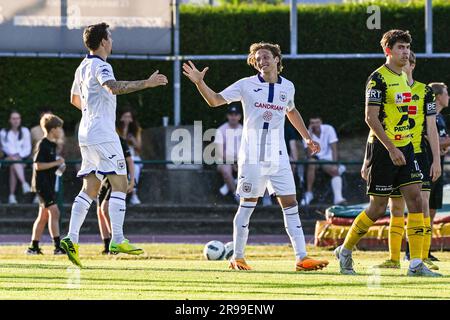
{"x": 373, "y": 95}
{"x": 431, "y": 106}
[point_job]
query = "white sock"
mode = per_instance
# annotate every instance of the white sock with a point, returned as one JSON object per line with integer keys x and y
{"x": 295, "y": 231}
{"x": 117, "y": 207}
{"x": 240, "y": 227}
{"x": 80, "y": 208}
{"x": 336, "y": 185}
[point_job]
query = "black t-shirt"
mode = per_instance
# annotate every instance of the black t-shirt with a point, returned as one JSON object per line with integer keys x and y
{"x": 46, "y": 152}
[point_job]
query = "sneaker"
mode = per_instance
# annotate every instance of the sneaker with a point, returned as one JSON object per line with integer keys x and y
{"x": 33, "y": 251}
{"x": 58, "y": 251}
{"x": 26, "y": 187}
{"x": 239, "y": 264}
{"x": 345, "y": 262}
{"x": 134, "y": 199}
{"x": 12, "y": 199}
{"x": 429, "y": 263}
{"x": 309, "y": 264}
{"x": 72, "y": 251}
{"x": 389, "y": 264}
{"x": 124, "y": 247}
{"x": 422, "y": 271}
{"x": 224, "y": 190}
{"x": 340, "y": 202}
{"x": 307, "y": 198}
{"x": 431, "y": 257}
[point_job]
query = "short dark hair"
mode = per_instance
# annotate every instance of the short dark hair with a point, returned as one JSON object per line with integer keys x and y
{"x": 391, "y": 37}
{"x": 438, "y": 87}
{"x": 50, "y": 121}
{"x": 94, "y": 34}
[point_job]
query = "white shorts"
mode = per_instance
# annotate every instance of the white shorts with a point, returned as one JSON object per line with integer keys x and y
{"x": 102, "y": 159}
{"x": 253, "y": 179}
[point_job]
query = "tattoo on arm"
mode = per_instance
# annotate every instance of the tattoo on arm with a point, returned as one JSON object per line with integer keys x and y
{"x": 123, "y": 87}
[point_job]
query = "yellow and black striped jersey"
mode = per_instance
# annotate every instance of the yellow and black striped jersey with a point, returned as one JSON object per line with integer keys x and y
{"x": 390, "y": 91}
{"x": 422, "y": 105}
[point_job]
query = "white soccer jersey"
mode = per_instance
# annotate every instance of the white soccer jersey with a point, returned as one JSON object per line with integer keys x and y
{"x": 265, "y": 106}
{"x": 98, "y": 105}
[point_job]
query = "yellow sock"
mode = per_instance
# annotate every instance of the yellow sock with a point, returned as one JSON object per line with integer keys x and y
{"x": 414, "y": 227}
{"x": 396, "y": 231}
{"x": 358, "y": 229}
{"x": 427, "y": 233}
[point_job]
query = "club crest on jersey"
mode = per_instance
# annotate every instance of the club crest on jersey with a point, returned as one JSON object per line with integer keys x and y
{"x": 402, "y": 97}
{"x": 283, "y": 96}
{"x": 121, "y": 164}
{"x": 246, "y": 187}
{"x": 267, "y": 115}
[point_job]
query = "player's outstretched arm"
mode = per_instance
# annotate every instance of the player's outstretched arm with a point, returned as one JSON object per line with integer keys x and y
{"x": 297, "y": 121}
{"x": 211, "y": 97}
{"x": 124, "y": 87}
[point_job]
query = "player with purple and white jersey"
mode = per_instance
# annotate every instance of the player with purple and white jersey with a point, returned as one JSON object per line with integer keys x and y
{"x": 263, "y": 161}
{"x": 94, "y": 92}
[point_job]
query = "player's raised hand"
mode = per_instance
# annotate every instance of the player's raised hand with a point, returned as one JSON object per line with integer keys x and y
{"x": 397, "y": 157}
{"x": 190, "y": 71}
{"x": 313, "y": 146}
{"x": 157, "y": 79}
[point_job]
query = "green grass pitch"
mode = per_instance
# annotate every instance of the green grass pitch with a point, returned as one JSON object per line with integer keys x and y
{"x": 178, "y": 271}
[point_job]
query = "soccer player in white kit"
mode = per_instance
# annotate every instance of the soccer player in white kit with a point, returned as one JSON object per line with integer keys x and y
{"x": 263, "y": 160}
{"x": 94, "y": 92}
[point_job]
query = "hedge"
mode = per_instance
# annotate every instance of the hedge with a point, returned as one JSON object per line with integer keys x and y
{"x": 333, "y": 89}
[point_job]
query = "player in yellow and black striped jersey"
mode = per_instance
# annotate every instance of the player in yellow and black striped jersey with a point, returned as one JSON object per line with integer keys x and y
{"x": 424, "y": 136}
{"x": 390, "y": 154}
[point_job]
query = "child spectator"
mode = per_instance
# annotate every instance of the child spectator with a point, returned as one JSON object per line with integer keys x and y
{"x": 43, "y": 183}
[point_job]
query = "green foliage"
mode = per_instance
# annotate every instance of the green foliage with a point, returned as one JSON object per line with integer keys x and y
{"x": 333, "y": 89}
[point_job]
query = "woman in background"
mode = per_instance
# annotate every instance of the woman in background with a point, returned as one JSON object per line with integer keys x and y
{"x": 16, "y": 145}
{"x": 130, "y": 130}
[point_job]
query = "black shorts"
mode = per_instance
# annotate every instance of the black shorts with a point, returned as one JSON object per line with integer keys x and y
{"x": 383, "y": 176}
{"x": 437, "y": 190}
{"x": 105, "y": 191}
{"x": 47, "y": 197}
{"x": 423, "y": 160}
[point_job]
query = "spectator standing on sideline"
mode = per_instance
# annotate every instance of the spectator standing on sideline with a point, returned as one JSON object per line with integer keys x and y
{"x": 130, "y": 130}
{"x": 16, "y": 145}
{"x": 325, "y": 135}
{"x": 228, "y": 141}
{"x": 45, "y": 165}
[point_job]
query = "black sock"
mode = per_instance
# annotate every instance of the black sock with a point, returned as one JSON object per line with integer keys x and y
{"x": 56, "y": 242}
{"x": 107, "y": 241}
{"x": 35, "y": 244}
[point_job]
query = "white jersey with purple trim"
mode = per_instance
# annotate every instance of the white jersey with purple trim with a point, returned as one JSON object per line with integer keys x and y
{"x": 265, "y": 106}
{"x": 98, "y": 105}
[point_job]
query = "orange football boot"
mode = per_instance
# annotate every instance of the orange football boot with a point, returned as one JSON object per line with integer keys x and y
{"x": 309, "y": 264}
{"x": 239, "y": 264}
